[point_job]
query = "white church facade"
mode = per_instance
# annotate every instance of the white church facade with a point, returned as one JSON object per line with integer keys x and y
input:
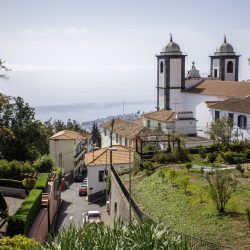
{"x": 179, "y": 92}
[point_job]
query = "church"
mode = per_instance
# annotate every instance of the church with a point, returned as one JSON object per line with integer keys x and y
{"x": 220, "y": 94}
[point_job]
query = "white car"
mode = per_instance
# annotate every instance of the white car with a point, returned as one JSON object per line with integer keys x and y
{"x": 92, "y": 217}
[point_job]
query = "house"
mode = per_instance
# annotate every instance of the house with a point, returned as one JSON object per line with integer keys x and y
{"x": 238, "y": 110}
{"x": 169, "y": 121}
{"x": 98, "y": 165}
{"x": 124, "y": 132}
{"x": 68, "y": 148}
{"x": 192, "y": 93}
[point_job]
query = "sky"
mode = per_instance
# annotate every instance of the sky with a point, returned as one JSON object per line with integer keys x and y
{"x": 81, "y": 51}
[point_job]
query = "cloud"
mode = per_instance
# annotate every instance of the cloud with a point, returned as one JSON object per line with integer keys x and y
{"x": 73, "y": 30}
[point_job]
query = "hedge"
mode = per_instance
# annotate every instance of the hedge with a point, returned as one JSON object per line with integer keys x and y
{"x": 234, "y": 158}
{"x": 22, "y": 220}
{"x": 11, "y": 183}
{"x": 42, "y": 182}
{"x": 3, "y": 205}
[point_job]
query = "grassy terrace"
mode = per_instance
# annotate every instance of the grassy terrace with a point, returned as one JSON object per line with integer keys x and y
{"x": 194, "y": 213}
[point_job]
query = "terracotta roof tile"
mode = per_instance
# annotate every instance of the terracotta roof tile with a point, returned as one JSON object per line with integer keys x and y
{"x": 70, "y": 135}
{"x": 126, "y": 129}
{"x": 102, "y": 156}
{"x": 221, "y": 88}
{"x": 239, "y": 105}
{"x": 161, "y": 115}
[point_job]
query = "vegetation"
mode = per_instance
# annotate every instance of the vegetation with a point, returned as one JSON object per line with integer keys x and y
{"x": 3, "y": 69}
{"x": 42, "y": 182}
{"x": 19, "y": 242}
{"x": 14, "y": 169}
{"x": 248, "y": 215}
{"x": 167, "y": 203}
{"x": 149, "y": 148}
{"x": 44, "y": 164}
{"x": 21, "y": 221}
{"x": 137, "y": 236}
{"x": 221, "y": 187}
{"x": 96, "y": 135}
{"x": 234, "y": 157}
{"x": 3, "y": 206}
{"x": 28, "y": 183}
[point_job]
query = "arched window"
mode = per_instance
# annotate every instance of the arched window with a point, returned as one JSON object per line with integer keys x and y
{"x": 161, "y": 67}
{"x": 230, "y": 67}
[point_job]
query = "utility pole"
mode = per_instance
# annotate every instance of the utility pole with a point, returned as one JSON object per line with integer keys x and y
{"x": 111, "y": 140}
{"x": 130, "y": 185}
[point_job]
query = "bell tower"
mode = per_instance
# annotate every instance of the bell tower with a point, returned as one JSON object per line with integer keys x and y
{"x": 170, "y": 76}
{"x": 225, "y": 63}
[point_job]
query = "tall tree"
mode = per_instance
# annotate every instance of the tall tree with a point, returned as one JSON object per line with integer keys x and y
{"x": 96, "y": 135}
{"x": 3, "y": 69}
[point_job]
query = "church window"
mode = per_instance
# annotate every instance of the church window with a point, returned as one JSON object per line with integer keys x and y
{"x": 242, "y": 121}
{"x": 217, "y": 114}
{"x": 161, "y": 67}
{"x": 230, "y": 67}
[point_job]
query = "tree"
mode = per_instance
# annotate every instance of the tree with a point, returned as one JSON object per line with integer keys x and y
{"x": 96, "y": 135}
{"x": 221, "y": 131}
{"x": 22, "y": 137}
{"x": 172, "y": 177}
{"x": 221, "y": 186}
{"x": 44, "y": 164}
{"x": 184, "y": 182}
{"x": 3, "y": 68}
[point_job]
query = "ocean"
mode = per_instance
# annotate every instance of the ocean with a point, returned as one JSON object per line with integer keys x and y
{"x": 84, "y": 112}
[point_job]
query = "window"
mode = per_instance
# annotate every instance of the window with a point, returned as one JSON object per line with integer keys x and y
{"x": 217, "y": 114}
{"x": 161, "y": 67}
{"x": 126, "y": 142}
{"x": 242, "y": 121}
{"x": 105, "y": 132}
{"x": 115, "y": 207}
{"x": 159, "y": 125}
{"x": 117, "y": 138}
{"x": 120, "y": 140}
{"x": 231, "y": 117}
{"x": 215, "y": 73}
{"x": 101, "y": 176}
{"x": 230, "y": 67}
{"x": 148, "y": 123}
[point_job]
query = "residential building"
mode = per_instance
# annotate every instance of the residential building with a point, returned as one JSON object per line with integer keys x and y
{"x": 169, "y": 121}
{"x": 238, "y": 110}
{"x": 98, "y": 165}
{"x": 68, "y": 148}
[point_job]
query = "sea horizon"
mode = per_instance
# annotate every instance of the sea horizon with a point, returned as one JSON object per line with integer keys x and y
{"x": 84, "y": 112}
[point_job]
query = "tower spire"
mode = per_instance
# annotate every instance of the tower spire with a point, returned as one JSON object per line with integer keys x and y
{"x": 171, "y": 38}
{"x": 225, "y": 39}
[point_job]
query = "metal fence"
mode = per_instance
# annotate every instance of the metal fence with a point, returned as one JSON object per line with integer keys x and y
{"x": 191, "y": 242}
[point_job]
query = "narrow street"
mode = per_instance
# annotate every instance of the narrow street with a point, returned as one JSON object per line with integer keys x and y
{"x": 74, "y": 206}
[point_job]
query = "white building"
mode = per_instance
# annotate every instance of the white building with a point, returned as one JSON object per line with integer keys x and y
{"x": 196, "y": 94}
{"x": 169, "y": 121}
{"x": 67, "y": 149}
{"x": 98, "y": 165}
{"x": 238, "y": 110}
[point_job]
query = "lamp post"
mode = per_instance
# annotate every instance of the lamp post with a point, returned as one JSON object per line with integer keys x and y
{"x": 130, "y": 199}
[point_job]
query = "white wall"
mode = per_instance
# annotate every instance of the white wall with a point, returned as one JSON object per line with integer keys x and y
{"x": 242, "y": 133}
{"x": 161, "y": 98}
{"x": 94, "y": 185}
{"x": 175, "y": 72}
{"x": 216, "y": 65}
{"x": 176, "y": 100}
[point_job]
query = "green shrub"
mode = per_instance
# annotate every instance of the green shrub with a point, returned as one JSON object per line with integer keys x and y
{"x": 19, "y": 242}
{"x": 148, "y": 166}
{"x": 160, "y": 157}
{"x": 234, "y": 158}
{"x": 22, "y": 220}
{"x": 182, "y": 154}
{"x": 3, "y": 205}
{"x": 211, "y": 157}
{"x": 172, "y": 177}
{"x": 149, "y": 148}
{"x": 202, "y": 152}
{"x": 184, "y": 182}
{"x": 14, "y": 169}
{"x": 42, "y": 182}
{"x": 247, "y": 153}
{"x": 11, "y": 183}
{"x": 188, "y": 166}
{"x": 28, "y": 183}
{"x": 44, "y": 164}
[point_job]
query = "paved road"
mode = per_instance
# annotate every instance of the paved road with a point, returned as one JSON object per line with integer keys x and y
{"x": 73, "y": 207}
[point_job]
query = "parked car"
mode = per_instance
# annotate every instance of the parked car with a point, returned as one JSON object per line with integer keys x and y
{"x": 92, "y": 217}
{"x": 83, "y": 190}
{"x": 85, "y": 181}
{"x": 78, "y": 178}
